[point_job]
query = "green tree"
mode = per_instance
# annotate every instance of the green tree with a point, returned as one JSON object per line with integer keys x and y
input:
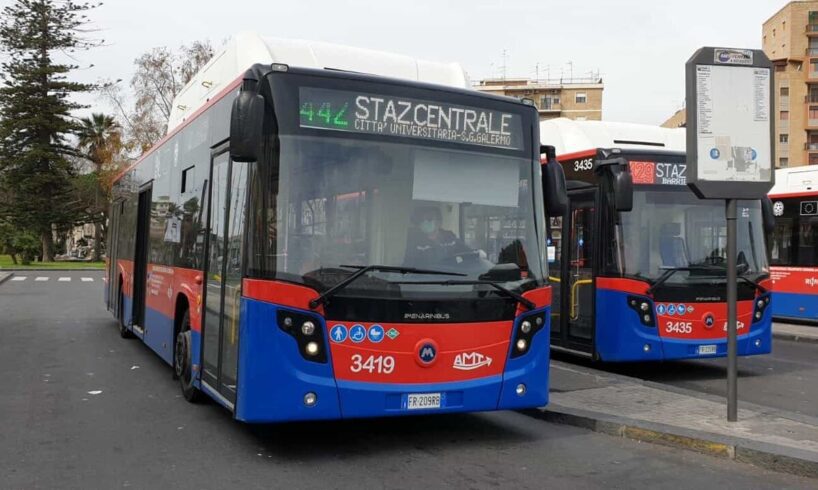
{"x": 35, "y": 111}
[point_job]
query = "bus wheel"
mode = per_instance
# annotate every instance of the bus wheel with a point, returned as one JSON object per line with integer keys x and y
{"x": 183, "y": 361}
{"x": 123, "y": 329}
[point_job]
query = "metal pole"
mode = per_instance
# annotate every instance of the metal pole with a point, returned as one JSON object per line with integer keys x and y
{"x": 732, "y": 361}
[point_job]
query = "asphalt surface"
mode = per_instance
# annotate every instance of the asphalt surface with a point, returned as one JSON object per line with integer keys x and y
{"x": 786, "y": 379}
{"x": 82, "y": 408}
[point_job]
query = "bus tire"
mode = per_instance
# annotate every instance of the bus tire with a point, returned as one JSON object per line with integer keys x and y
{"x": 123, "y": 329}
{"x": 183, "y": 361}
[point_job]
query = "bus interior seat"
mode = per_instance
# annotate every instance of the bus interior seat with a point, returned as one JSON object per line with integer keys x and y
{"x": 672, "y": 246}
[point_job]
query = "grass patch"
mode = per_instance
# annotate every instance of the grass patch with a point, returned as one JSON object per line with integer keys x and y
{"x": 6, "y": 263}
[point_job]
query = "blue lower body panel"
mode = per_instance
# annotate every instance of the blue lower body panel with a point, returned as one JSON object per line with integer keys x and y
{"x": 620, "y": 336}
{"x": 274, "y": 379}
{"x": 803, "y": 307}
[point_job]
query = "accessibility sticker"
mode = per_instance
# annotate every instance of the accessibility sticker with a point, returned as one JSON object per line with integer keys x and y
{"x": 357, "y": 333}
{"x": 375, "y": 333}
{"x": 392, "y": 333}
{"x": 338, "y": 333}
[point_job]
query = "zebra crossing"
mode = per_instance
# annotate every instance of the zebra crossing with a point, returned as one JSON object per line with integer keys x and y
{"x": 17, "y": 278}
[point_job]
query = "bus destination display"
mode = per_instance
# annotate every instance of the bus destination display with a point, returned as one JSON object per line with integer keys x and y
{"x": 357, "y": 112}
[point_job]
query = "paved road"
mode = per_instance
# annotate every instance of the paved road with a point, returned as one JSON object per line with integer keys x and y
{"x": 82, "y": 408}
{"x": 787, "y": 379}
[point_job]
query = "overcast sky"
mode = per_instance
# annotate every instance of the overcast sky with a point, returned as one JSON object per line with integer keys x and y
{"x": 639, "y": 47}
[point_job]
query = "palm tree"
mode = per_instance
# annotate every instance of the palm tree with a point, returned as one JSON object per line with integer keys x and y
{"x": 100, "y": 139}
{"x": 100, "y": 142}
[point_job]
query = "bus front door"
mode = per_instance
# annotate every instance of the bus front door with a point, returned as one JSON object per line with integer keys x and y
{"x": 222, "y": 298}
{"x": 575, "y": 327}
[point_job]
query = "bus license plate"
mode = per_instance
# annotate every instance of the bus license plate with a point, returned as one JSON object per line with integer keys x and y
{"x": 417, "y": 401}
{"x": 707, "y": 349}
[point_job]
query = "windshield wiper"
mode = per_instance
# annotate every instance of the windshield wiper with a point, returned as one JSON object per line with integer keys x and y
{"x": 502, "y": 289}
{"x": 363, "y": 269}
{"x": 699, "y": 268}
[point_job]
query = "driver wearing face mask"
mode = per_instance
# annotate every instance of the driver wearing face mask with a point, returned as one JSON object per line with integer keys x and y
{"x": 428, "y": 243}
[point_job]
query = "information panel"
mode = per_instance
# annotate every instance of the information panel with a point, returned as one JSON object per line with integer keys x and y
{"x": 396, "y": 116}
{"x": 729, "y": 123}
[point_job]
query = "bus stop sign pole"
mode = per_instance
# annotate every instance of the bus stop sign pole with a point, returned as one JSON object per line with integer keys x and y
{"x": 732, "y": 328}
{"x": 729, "y": 105}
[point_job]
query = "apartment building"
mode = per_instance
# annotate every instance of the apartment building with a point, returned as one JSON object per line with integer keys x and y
{"x": 578, "y": 98}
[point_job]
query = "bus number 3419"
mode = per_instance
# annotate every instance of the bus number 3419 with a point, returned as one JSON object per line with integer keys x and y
{"x": 373, "y": 364}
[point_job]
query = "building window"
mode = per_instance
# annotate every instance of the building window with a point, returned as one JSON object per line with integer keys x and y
{"x": 785, "y": 115}
{"x": 784, "y": 91}
{"x": 813, "y": 159}
{"x": 580, "y": 98}
{"x": 813, "y": 112}
{"x": 783, "y": 138}
{"x": 783, "y": 162}
{"x": 779, "y": 67}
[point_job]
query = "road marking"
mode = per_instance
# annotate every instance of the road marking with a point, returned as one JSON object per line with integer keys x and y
{"x": 64, "y": 279}
{"x": 19, "y": 278}
{"x": 40, "y": 278}
{"x": 87, "y": 279}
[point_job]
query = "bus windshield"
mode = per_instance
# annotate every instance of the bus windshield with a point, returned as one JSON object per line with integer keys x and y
{"x": 672, "y": 228}
{"x": 351, "y": 202}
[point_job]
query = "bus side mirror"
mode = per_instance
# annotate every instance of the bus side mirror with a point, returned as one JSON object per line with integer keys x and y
{"x": 246, "y": 126}
{"x": 555, "y": 192}
{"x": 622, "y": 189}
{"x": 621, "y": 181}
{"x": 767, "y": 215}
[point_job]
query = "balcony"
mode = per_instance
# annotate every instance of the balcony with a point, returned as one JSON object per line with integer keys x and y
{"x": 811, "y": 146}
{"x": 812, "y": 29}
{"x": 550, "y": 107}
{"x": 811, "y": 99}
{"x": 812, "y": 52}
{"x": 812, "y": 123}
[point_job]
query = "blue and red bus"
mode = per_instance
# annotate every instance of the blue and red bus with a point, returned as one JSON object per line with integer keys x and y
{"x": 319, "y": 243}
{"x": 794, "y": 245}
{"x": 639, "y": 259}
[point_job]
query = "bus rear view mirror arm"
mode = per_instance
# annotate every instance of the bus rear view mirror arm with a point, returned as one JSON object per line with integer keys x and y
{"x": 247, "y": 121}
{"x": 621, "y": 181}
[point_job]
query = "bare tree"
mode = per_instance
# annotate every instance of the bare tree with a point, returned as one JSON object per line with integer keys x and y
{"x": 160, "y": 74}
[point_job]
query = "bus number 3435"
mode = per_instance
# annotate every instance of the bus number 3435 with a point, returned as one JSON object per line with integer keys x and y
{"x": 373, "y": 364}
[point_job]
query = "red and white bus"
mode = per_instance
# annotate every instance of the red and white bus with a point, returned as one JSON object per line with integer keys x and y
{"x": 316, "y": 240}
{"x": 794, "y": 245}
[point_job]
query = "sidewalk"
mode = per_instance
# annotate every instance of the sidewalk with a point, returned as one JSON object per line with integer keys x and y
{"x": 645, "y": 411}
{"x": 797, "y": 333}
{"x": 5, "y": 276}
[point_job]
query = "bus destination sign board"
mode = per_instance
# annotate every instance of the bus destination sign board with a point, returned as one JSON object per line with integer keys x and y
{"x": 729, "y": 123}
{"x": 396, "y": 116}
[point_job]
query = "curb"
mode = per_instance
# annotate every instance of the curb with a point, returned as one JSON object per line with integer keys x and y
{"x": 768, "y": 456}
{"x": 4, "y": 278}
{"x": 794, "y": 337}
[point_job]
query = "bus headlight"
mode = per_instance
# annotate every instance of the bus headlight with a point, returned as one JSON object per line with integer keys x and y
{"x": 308, "y": 332}
{"x": 644, "y": 308}
{"x": 761, "y": 304}
{"x": 524, "y": 332}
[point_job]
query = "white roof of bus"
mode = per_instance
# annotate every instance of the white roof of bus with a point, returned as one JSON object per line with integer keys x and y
{"x": 247, "y": 48}
{"x": 570, "y": 136}
{"x": 795, "y": 180}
